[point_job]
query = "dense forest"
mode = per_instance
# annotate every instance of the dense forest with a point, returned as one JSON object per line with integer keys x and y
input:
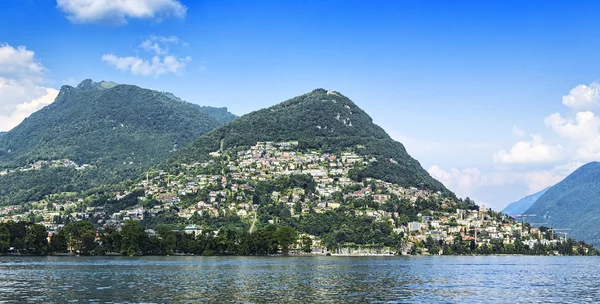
{"x": 119, "y": 130}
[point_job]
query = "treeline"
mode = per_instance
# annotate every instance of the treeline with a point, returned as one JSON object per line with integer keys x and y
{"x": 462, "y": 247}
{"x": 132, "y": 239}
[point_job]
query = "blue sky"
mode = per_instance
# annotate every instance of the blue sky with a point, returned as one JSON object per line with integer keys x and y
{"x": 471, "y": 88}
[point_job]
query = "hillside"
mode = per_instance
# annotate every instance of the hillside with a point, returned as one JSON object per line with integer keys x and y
{"x": 116, "y": 131}
{"x": 322, "y": 120}
{"x": 523, "y": 204}
{"x": 573, "y": 203}
{"x": 220, "y": 114}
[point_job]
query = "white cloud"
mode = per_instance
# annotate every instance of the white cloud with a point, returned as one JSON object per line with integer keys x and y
{"x": 19, "y": 63}
{"x": 464, "y": 181}
{"x": 23, "y": 110}
{"x": 583, "y": 97}
{"x": 161, "y": 63}
{"x": 158, "y": 44}
{"x": 535, "y": 164}
{"x": 534, "y": 151}
{"x": 518, "y": 132}
{"x": 141, "y": 67}
{"x": 583, "y": 132}
{"x": 118, "y": 11}
{"x": 21, "y": 86}
{"x": 498, "y": 188}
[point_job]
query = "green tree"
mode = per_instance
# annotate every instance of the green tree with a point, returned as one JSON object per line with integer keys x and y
{"x": 286, "y": 237}
{"x": 58, "y": 243}
{"x": 36, "y": 239}
{"x": 4, "y": 238}
{"x": 133, "y": 238}
{"x": 307, "y": 243}
{"x": 80, "y": 237}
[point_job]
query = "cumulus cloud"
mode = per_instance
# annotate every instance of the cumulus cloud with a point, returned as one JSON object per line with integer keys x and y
{"x": 497, "y": 188}
{"x": 463, "y": 181}
{"x": 155, "y": 67}
{"x": 535, "y": 164}
{"x": 119, "y": 11}
{"x": 19, "y": 63}
{"x": 534, "y": 151}
{"x": 583, "y": 97}
{"x": 161, "y": 63}
{"x": 158, "y": 44}
{"x": 583, "y": 132}
{"x": 21, "y": 86}
{"x": 21, "y": 111}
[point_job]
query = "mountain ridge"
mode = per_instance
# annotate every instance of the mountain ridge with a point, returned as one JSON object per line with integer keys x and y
{"x": 520, "y": 206}
{"x": 117, "y": 129}
{"x": 573, "y": 203}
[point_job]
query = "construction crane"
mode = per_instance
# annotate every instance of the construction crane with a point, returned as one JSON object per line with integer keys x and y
{"x": 538, "y": 224}
{"x": 523, "y": 216}
{"x": 554, "y": 229}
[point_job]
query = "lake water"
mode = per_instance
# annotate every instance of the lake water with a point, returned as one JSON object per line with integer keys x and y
{"x": 481, "y": 279}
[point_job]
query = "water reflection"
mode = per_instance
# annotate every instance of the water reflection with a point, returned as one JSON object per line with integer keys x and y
{"x": 299, "y": 279}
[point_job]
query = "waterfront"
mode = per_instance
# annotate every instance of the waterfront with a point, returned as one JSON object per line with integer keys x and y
{"x": 483, "y": 279}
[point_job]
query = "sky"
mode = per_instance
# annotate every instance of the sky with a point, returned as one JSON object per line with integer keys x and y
{"x": 496, "y": 99}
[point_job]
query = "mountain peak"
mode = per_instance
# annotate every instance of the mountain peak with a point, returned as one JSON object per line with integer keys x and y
{"x": 89, "y": 85}
{"x": 319, "y": 120}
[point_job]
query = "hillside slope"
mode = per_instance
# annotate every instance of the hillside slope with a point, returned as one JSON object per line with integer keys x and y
{"x": 573, "y": 203}
{"x": 118, "y": 130}
{"x": 523, "y": 204}
{"x": 322, "y": 120}
{"x": 220, "y": 114}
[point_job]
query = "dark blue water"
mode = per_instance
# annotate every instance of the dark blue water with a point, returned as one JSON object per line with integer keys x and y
{"x": 493, "y": 279}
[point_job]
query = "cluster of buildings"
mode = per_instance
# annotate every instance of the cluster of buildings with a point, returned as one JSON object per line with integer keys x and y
{"x": 230, "y": 193}
{"x": 40, "y": 164}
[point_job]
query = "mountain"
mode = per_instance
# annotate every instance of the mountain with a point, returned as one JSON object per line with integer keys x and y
{"x": 117, "y": 130}
{"x": 220, "y": 114}
{"x": 523, "y": 204}
{"x": 323, "y": 120}
{"x": 573, "y": 203}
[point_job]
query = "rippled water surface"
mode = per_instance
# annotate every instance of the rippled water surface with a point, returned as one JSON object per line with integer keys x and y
{"x": 493, "y": 279}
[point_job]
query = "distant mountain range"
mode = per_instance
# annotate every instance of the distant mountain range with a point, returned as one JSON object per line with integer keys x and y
{"x": 520, "y": 206}
{"x": 118, "y": 130}
{"x": 574, "y": 203}
{"x": 323, "y": 120}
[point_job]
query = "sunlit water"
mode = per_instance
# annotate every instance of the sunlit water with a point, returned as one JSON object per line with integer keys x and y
{"x": 497, "y": 279}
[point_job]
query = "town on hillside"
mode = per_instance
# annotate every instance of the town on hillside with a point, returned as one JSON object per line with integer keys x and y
{"x": 318, "y": 194}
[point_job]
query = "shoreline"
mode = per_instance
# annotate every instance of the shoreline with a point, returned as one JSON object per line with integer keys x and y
{"x": 296, "y": 255}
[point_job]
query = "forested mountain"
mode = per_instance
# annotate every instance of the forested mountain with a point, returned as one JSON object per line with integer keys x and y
{"x": 118, "y": 130}
{"x": 221, "y": 114}
{"x": 523, "y": 204}
{"x": 573, "y": 203}
{"x": 323, "y": 120}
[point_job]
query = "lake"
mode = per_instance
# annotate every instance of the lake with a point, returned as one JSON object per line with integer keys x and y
{"x": 472, "y": 279}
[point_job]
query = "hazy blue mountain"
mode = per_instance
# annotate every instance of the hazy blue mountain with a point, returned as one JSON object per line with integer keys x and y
{"x": 523, "y": 204}
{"x": 573, "y": 203}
